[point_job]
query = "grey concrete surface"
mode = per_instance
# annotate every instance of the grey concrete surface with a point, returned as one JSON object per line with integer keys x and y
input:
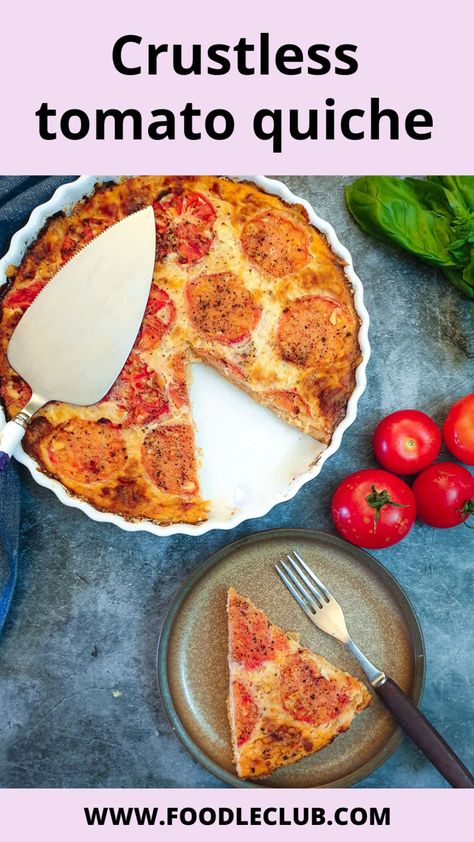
{"x": 78, "y": 700}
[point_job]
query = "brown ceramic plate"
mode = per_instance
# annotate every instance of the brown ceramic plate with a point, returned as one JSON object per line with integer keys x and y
{"x": 192, "y": 652}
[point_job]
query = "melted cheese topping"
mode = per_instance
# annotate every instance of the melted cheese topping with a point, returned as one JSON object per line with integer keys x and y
{"x": 204, "y": 226}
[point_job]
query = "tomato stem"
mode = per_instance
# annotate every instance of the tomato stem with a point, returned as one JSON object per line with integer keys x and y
{"x": 378, "y": 499}
{"x": 466, "y": 510}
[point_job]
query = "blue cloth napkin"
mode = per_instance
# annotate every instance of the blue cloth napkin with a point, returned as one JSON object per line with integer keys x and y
{"x": 9, "y": 532}
{"x": 18, "y": 196}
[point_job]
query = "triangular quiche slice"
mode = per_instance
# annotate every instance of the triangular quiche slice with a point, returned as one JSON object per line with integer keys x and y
{"x": 285, "y": 702}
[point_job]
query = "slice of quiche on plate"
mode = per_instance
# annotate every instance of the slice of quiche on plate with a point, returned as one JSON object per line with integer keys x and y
{"x": 285, "y": 702}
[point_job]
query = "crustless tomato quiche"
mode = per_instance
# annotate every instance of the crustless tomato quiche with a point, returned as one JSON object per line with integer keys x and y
{"x": 285, "y": 702}
{"x": 243, "y": 282}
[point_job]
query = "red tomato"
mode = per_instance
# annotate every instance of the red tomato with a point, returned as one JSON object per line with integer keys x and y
{"x": 159, "y": 315}
{"x": 458, "y": 430}
{"x": 184, "y": 225}
{"x": 140, "y": 392}
{"x": 444, "y": 494}
{"x": 373, "y": 509}
{"x": 406, "y": 441}
{"x": 23, "y": 296}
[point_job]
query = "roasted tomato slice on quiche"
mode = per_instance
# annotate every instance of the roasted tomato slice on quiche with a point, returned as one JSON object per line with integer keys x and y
{"x": 139, "y": 392}
{"x": 285, "y": 702}
{"x": 184, "y": 225}
{"x": 22, "y": 296}
{"x": 221, "y": 308}
{"x": 275, "y": 243}
{"x": 168, "y": 456}
{"x": 159, "y": 315}
{"x": 312, "y": 329}
{"x": 87, "y": 452}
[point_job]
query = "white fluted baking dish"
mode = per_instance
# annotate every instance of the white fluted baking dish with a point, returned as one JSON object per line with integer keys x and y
{"x": 251, "y": 460}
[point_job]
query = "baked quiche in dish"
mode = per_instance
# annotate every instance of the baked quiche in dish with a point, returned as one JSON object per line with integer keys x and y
{"x": 242, "y": 281}
{"x": 285, "y": 702}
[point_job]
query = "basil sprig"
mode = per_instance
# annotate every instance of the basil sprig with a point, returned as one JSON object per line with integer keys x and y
{"x": 433, "y": 218}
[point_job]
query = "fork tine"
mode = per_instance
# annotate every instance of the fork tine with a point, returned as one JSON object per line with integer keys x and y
{"x": 313, "y": 576}
{"x": 313, "y": 603}
{"x": 304, "y": 578}
{"x": 301, "y": 602}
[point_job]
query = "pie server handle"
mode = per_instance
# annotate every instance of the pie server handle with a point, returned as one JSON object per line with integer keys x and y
{"x": 424, "y": 735}
{"x": 12, "y": 435}
{"x": 14, "y": 431}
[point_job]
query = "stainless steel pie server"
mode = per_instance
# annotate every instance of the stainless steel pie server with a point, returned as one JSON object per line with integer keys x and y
{"x": 73, "y": 340}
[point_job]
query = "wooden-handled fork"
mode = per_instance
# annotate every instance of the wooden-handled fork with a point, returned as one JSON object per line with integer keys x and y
{"x": 326, "y": 613}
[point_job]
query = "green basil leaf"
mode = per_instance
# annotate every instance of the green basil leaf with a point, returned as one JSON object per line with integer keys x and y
{"x": 435, "y": 197}
{"x": 461, "y": 186}
{"x": 463, "y": 238}
{"x": 468, "y": 273}
{"x": 401, "y": 211}
{"x": 464, "y": 285}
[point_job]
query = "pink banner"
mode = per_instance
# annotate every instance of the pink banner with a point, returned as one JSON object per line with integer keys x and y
{"x": 335, "y": 814}
{"x": 291, "y": 75}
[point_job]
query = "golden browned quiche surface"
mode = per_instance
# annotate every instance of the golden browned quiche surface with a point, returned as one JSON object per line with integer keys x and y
{"x": 243, "y": 282}
{"x": 285, "y": 702}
